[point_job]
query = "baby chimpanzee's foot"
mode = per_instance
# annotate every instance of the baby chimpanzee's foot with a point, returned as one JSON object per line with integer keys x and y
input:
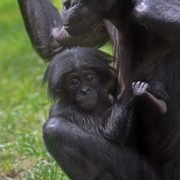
{"x": 139, "y": 88}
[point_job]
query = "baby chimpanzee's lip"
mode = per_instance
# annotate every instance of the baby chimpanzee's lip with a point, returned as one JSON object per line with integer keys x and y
{"x": 87, "y": 105}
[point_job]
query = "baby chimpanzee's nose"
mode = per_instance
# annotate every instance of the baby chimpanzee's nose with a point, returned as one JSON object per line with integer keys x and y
{"x": 85, "y": 90}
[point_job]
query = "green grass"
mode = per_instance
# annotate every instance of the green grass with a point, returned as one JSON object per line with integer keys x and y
{"x": 23, "y": 103}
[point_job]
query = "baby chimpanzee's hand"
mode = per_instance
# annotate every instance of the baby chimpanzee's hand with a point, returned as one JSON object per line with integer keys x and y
{"x": 139, "y": 88}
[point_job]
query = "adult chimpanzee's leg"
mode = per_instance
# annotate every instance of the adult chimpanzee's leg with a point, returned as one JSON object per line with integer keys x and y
{"x": 86, "y": 156}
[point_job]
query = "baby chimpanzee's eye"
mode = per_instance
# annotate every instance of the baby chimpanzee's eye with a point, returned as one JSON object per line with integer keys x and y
{"x": 66, "y": 4}
{"x": 75, "y": 83}
{"x": 90, "y": 77}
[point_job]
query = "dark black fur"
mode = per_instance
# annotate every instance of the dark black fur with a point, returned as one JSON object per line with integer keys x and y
{"x": 146, "y": 37}
{"x": 71, "y": 130}
{"x": 148, "y": 53}
{"x": 66, "y": 62}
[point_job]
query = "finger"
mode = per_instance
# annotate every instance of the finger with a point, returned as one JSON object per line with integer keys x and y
{"x": 145, "y": 86}
{"x": 138, "y": 84}
{"x": 133, "y": 84}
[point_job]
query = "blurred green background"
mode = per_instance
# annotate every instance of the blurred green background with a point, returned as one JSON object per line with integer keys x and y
{"x": 23, "y": 103}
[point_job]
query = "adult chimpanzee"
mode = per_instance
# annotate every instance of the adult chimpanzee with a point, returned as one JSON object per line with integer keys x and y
{"x": 82, "y": 84}
{"x": 145, "y": 34}
{"x": 146, "y": 37}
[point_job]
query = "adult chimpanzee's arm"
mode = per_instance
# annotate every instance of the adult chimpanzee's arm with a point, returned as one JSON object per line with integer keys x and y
{"x": 87, "y": 156}
{"x": 40, "y": 16}
{"x": 160, "y": 16}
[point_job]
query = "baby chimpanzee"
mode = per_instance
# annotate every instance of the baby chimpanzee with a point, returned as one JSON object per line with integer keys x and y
{"x": 86, "y": 121}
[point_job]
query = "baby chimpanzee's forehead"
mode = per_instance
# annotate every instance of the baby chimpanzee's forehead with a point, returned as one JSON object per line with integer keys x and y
{"x": 81, "y": 73}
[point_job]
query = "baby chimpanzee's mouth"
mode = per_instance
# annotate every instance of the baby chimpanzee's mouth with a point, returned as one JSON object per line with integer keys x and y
{"x": 87, "y": 104}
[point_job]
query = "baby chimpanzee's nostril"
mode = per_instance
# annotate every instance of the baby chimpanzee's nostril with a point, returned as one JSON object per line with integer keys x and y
{"x": 85, "y": 90}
